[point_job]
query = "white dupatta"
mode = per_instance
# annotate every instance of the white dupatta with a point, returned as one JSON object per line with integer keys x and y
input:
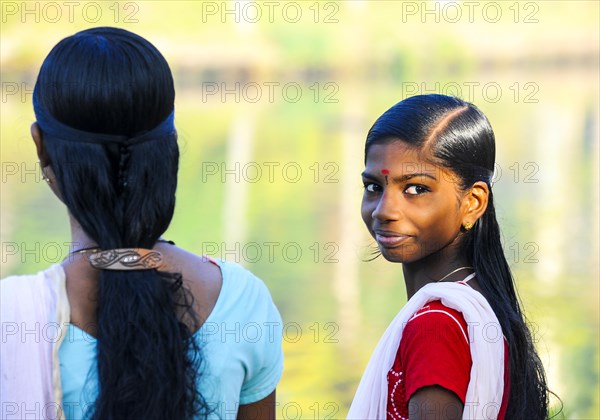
{"x": 486, "y": 384}
{"x": 34, "y": 312}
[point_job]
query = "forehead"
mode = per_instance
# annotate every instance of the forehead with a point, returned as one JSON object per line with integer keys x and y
{"x": 399, "y": 158}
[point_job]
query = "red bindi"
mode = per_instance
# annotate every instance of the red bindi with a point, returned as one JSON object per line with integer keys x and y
{"x": 385, "y": 172}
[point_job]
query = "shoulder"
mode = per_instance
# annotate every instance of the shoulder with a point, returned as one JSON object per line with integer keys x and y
{"x": 434, "y": 350}
{"x": 242, "y": 286}
{"x": 201, "y": 277}
{"x": 220, "y": 288}
{"x": 30, "y": 288}
{"x": 246, "y": 302}
{"x": 452, "y": 303}
{"x": 48, "y": 273}
{"x": 437, "y": 310}
{"x": 241, "y": 277}
{"x": 30, "y": 320}
{"x": 30, "y": 302}
{"x": 249, "y": 329}
{"x": 437, "y": 322}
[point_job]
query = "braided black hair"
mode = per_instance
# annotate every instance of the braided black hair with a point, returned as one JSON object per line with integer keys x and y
{"x": 111, "y": 81}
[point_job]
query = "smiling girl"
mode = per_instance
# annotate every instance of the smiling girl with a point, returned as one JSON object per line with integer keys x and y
{"x": 460, "y": 348}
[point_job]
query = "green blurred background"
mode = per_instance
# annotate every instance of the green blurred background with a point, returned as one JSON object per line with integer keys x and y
{"x": 273, "y": 104}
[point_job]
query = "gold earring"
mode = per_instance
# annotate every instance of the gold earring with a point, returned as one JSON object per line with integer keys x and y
{"x": 44, "y": 177}
{"x": 468, "y": 225}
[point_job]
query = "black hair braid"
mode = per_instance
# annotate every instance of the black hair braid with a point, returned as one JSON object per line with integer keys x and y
{"x": 148, "y": 360}
{"x": 124, "y": 155}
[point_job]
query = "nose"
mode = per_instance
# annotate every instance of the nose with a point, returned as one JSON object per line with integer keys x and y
{"x": 388, "y": 208}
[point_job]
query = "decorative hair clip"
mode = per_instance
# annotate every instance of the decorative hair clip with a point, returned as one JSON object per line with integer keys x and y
{"x": 126, "y": 259}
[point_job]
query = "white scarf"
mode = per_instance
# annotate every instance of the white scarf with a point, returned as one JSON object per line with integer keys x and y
{"x": 486, "y": 384}
{"x": 34, "y": 310}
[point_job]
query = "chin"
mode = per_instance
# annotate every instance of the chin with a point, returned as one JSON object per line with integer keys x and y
{"x": 405, "y": 253}
{"x": 398, "y": 255}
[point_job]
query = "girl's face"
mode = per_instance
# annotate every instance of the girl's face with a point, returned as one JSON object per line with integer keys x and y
{"x": 412, "y": 208}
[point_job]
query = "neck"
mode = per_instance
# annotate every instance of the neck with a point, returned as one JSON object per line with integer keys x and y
{"x": 81, "y": 278}
{"x": 79, "y": 238}
{"x": 433, "y": 268}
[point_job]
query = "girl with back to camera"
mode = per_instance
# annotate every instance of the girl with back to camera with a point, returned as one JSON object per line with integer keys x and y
{"x": 460, "y": 348}
{"x": 140, "y": 321}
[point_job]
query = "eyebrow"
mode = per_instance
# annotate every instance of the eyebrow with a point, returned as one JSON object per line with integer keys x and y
{"x": 399, "y": 179}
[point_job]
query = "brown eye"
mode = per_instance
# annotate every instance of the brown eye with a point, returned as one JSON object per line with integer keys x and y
{"x": 415, "y": 190}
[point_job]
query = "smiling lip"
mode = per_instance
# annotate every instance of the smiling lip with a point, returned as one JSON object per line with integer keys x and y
{"x": 389, "y": 239}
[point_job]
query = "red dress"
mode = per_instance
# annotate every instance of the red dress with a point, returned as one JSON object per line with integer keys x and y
{"x": 434, "y": 350}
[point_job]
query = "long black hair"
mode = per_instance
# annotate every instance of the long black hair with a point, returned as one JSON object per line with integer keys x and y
{"x": 460, "y": 138}
{"x": 113, "y": 82}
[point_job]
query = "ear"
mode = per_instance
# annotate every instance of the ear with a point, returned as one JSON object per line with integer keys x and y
{"x": 475, "y": 202}
{"x": 38, "y": 139}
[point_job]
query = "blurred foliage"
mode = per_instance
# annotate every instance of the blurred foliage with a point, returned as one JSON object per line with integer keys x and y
{"x": 373, "y": 56}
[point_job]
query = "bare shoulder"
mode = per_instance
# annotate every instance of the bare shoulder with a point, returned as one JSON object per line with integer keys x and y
{"x": 200, "y": 276}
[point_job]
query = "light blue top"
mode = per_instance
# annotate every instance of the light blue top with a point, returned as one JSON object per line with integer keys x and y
{"x": 241, "y": 341}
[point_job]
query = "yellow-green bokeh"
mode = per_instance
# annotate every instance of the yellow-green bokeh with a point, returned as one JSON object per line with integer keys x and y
{"x": 533, "y": 70}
